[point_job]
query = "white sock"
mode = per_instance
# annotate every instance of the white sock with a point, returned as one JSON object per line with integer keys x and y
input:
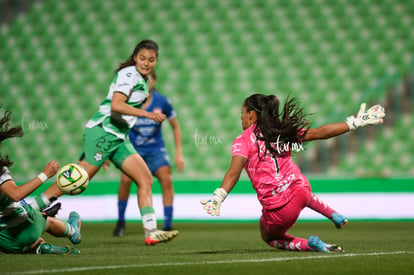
{"x": 40, "y": 202}
{"x": 149, "y": 222}
{"x": 69, "y": 230}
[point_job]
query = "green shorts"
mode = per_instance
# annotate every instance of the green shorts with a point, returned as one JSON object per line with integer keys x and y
{"x": 19, "y": 239}
{"x": 99, "y": 146}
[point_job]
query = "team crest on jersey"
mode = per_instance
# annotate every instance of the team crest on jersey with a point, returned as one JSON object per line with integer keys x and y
{"x": 98, "y": 156}
{"x": 157, "y": 110}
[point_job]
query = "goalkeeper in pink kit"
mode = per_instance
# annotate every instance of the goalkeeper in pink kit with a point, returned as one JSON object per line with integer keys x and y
{"x": 264, "y": 151}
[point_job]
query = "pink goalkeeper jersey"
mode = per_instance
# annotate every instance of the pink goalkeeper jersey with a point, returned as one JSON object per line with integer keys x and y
{"x": 274, "y": 179}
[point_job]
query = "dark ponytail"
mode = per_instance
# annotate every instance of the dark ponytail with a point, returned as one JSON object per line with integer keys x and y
{"x": 284, "y": 128}
{"x": 5, "y": 133}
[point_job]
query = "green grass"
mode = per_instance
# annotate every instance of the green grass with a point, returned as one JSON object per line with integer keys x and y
{"x": 227, "y": 248}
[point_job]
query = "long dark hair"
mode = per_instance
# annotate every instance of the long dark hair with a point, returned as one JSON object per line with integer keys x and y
{"x": 144, "y": 44}
{"x": 273, "y": 127}
{"x": 5, "y": 133}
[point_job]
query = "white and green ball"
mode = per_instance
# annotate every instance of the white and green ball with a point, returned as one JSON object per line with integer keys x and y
{"x": 72, "y": 179}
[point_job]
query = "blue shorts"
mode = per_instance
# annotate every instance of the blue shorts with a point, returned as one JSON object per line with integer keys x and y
{"x": 155, "y": 159}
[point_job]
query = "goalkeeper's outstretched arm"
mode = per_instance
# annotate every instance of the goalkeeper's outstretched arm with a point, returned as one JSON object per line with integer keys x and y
{"x": 326, "y": 131}
{"x": 373, "y": 116}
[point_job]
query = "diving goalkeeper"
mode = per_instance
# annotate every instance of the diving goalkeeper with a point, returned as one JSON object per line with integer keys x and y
{"x": 264, "y": 151}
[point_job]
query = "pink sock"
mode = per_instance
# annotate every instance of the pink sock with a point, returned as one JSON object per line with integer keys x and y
{"x": 291, "y": 243}
{"x": 321, "y": 207}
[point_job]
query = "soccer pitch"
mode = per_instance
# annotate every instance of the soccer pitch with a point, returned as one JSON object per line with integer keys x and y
{"x": 373, "y": 247}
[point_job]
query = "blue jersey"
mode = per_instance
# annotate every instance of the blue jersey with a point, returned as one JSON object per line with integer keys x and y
{"x": 146, "y": 134}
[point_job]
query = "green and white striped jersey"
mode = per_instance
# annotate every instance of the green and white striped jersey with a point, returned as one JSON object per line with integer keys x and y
{"x": 129, "y": 82}
{"x": 11, "y": 213}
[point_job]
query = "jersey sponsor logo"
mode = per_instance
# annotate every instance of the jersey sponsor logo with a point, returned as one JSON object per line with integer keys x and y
{"x": 147, "y": 130}
{"x": 283, "y": 185}
{"x": 145, "y": 121}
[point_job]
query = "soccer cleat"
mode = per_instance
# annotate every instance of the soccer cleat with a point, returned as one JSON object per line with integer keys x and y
{"x": 46, "y": 248}
{"x": 159, "y": 236}
{"x": 119, "y": 229}
{"x": 52, "y": 210}
{"x": 339, "y": 220}
{"x": 317, "y": 245}
{"x": 75, "y": 222}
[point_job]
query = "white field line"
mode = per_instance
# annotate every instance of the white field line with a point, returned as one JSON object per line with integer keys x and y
{"x": 282, "y": 259}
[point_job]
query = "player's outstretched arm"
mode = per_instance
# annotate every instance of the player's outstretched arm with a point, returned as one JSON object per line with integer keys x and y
{"x": 373, "y": 116}
{"x": 212, "y": 206}
{"x": 19, "y": 192}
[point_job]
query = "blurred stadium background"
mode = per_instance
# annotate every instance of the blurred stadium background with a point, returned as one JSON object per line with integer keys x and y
{"x": 57, "y": 59}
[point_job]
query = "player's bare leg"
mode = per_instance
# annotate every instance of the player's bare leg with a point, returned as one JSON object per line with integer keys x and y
{"x": 135, "y": 167}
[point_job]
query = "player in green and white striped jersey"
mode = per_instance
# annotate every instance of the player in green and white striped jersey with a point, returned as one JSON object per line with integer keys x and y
{"x": 21, "y": 226}
{"x": 129, "y": 83}
{"x": 106, "y": 133}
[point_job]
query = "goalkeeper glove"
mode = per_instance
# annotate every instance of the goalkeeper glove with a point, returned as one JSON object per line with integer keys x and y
{"x": 212, "y": 206}
{"x": 373, "y": 116}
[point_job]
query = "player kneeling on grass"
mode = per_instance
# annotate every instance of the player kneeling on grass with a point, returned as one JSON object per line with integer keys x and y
{"x": 21, "y": 226}
{"x": 264, "y": 149}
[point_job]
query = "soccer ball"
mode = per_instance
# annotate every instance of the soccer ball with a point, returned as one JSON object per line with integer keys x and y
{"x": 72, "y": 179}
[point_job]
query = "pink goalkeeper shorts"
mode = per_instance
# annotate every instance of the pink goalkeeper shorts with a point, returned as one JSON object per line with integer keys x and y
{"x": 278, "y": 221}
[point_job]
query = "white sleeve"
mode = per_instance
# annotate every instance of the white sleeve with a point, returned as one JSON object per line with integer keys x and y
{"x": 5, "y": 176}
{"x": 125, "y": 82}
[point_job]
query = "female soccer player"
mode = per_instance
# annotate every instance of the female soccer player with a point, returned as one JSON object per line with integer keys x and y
{"x": 106, "y": 135}
{"x": 147, "y": 139}
{"x": 264, "y": 150}
{"x": 20, "y": 225}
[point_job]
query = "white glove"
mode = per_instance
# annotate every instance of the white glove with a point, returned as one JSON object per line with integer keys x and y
{"x": 373, "y": 116}
{"x": 212, "y": 206}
